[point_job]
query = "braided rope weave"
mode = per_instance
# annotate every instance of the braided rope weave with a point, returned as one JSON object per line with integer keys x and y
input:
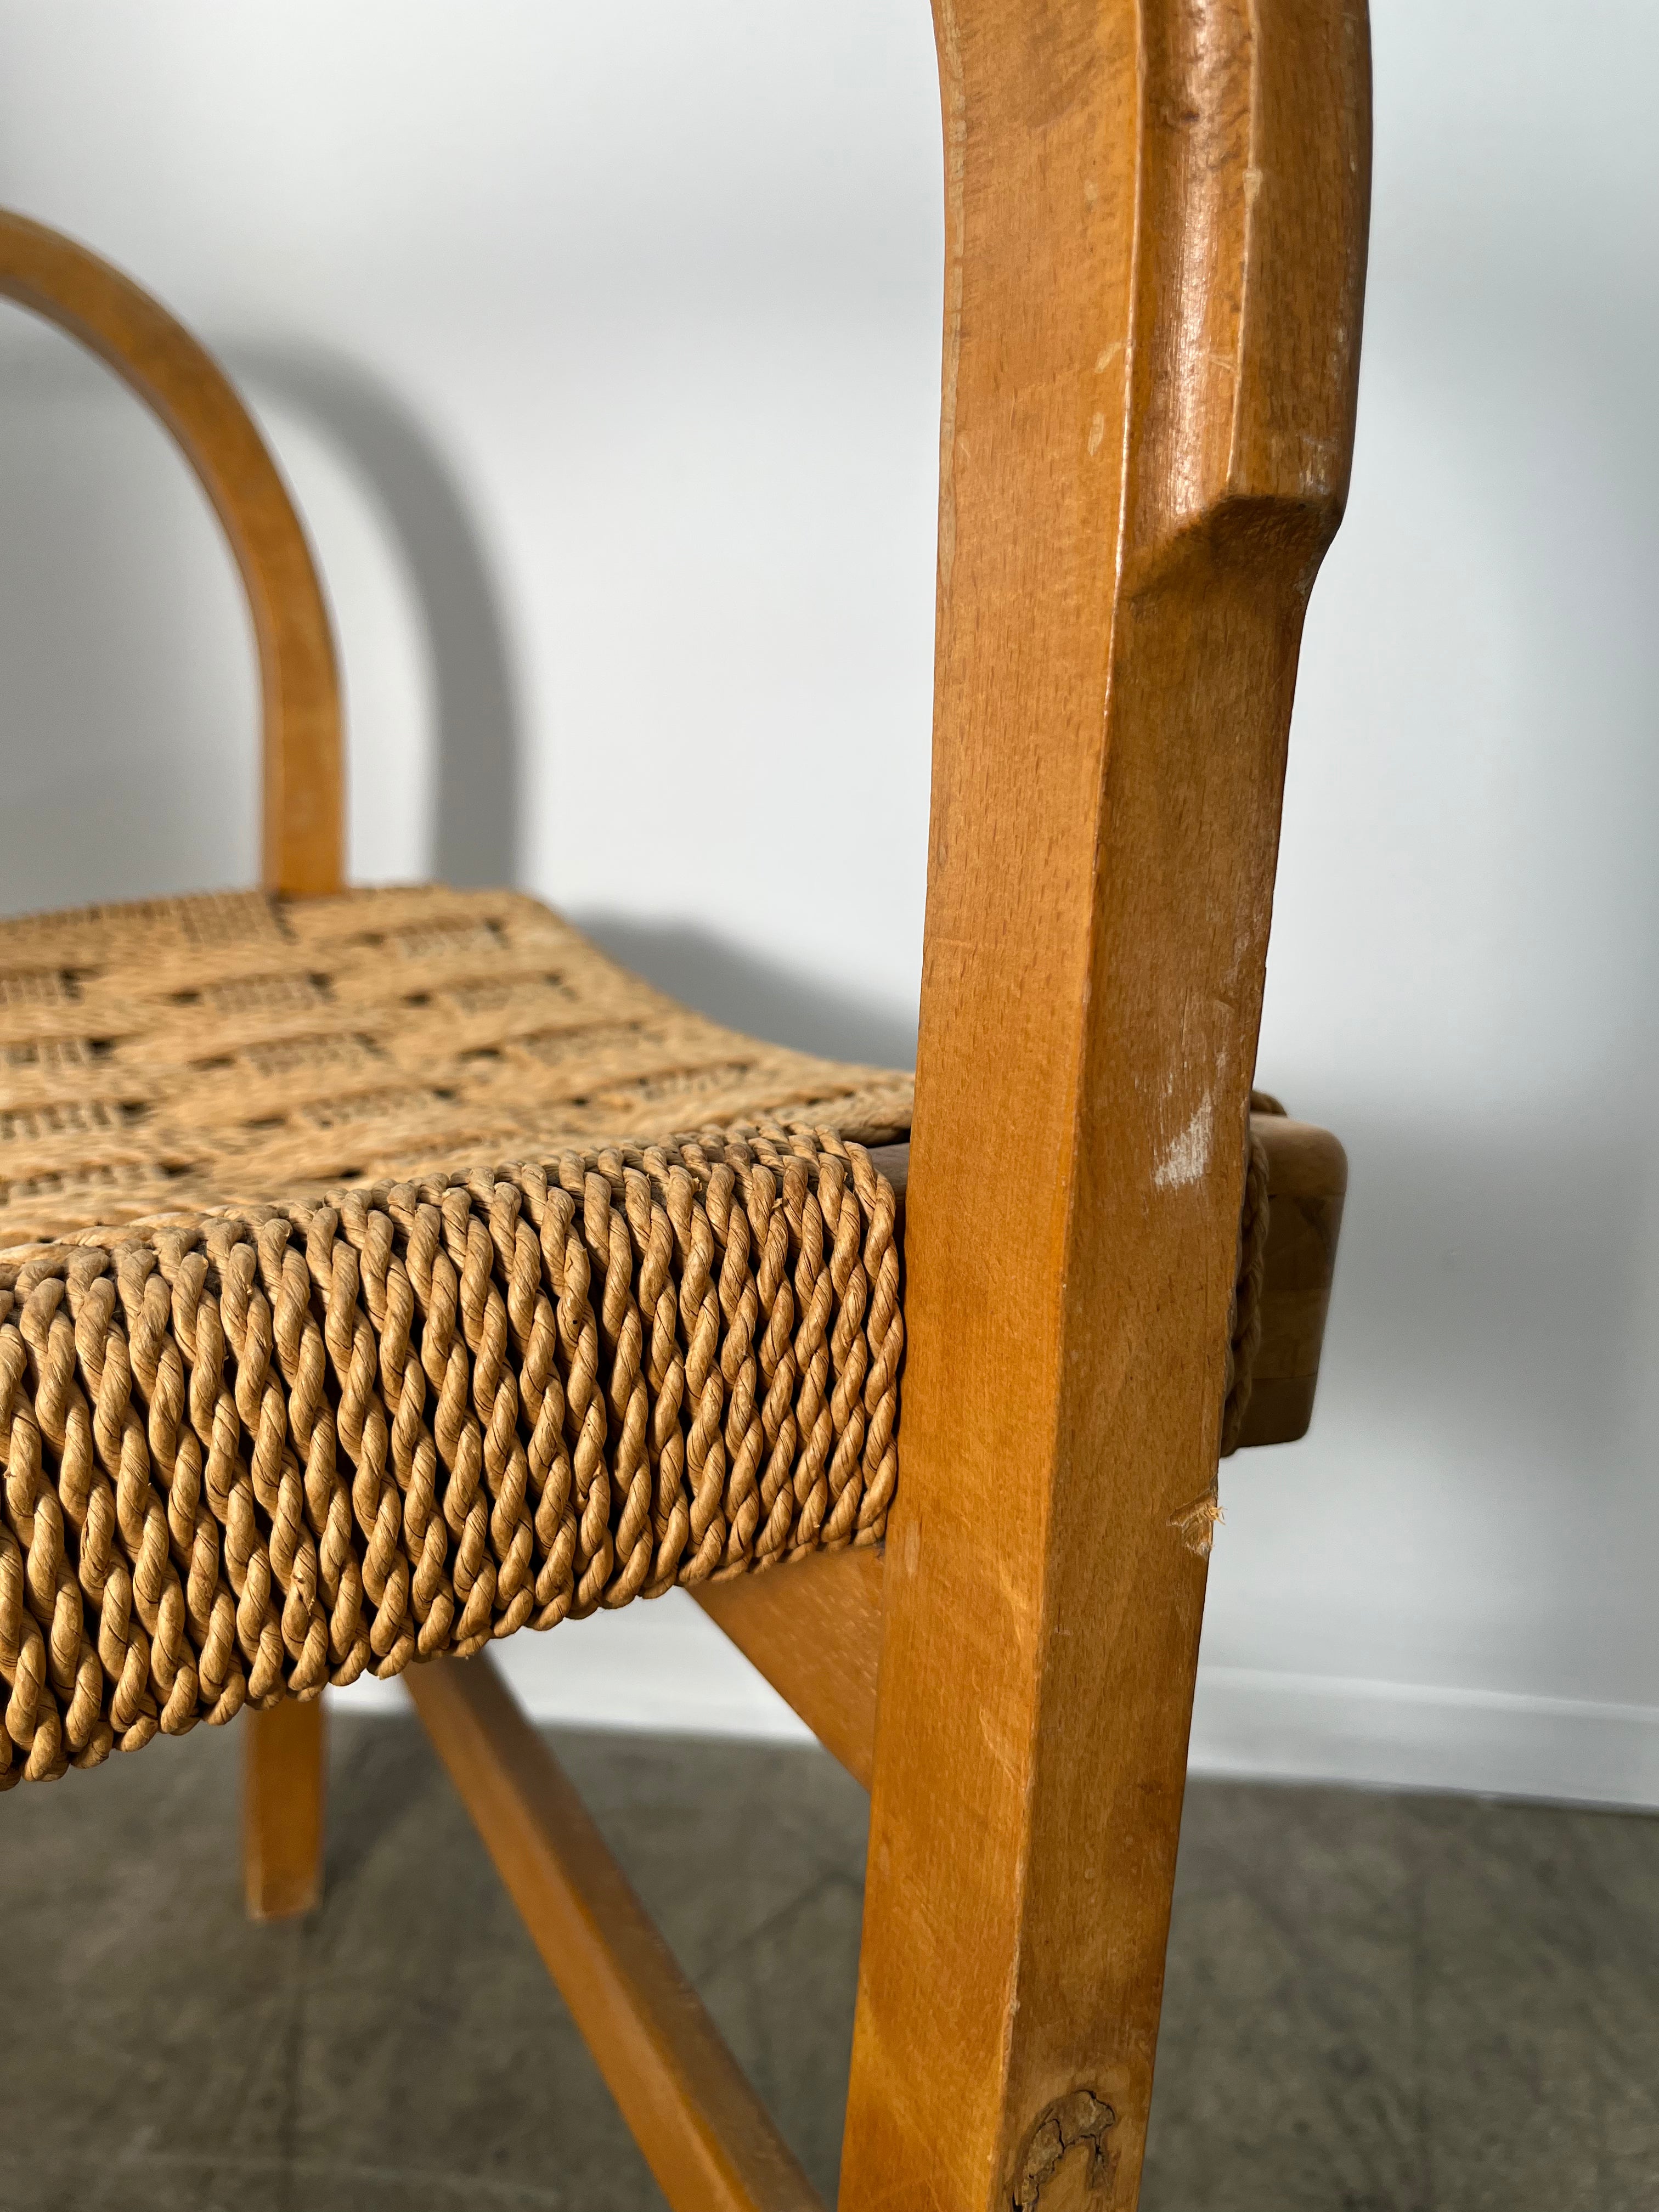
{"x": 250, "y": 1453}
{"x": 250, "y": 1449}
{"x": 185, "y": 1053}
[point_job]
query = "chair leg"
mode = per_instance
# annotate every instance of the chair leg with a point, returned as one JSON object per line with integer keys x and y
{"x": 704, "y": 2133}
{"x": 285, "y": 1760}
{"x": 1029, "y": 1768}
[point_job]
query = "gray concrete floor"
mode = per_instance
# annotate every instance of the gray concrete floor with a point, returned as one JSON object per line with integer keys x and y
{"x": 1375, "y": 2003}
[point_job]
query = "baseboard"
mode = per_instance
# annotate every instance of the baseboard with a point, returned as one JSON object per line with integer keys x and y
{"x": 666, "y": 1667}
{"x": 1254, "y": 1722}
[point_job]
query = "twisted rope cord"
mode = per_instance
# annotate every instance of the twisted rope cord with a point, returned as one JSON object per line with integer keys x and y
{"x": 250, "y": 1454}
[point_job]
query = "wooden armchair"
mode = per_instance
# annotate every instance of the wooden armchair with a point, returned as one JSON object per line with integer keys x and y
{"x": 255, "y": 1439}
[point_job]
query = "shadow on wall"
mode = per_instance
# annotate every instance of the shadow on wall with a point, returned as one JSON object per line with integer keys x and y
{"x": 1481, "y": 1448}
{"x": 479, "y": 781}
{"x": 138, "y": 794}
{"x": 748, "y": 993}
{"x": 127, "y": 710}
{"x": 129, "y": 768}
{"x": 478, "y": 785}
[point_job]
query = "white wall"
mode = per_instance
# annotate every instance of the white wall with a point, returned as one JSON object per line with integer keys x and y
{"x": 601, "y": 346}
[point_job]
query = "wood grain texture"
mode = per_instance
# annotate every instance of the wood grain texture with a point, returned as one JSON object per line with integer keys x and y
{"x": 1307, "y": 1183}
{"x": 304, "y": 847}
{"x": 813, "y": 1628}
{"x": 283, "y": 1766}
{"x": 1156, "y": 225}
{"x": 704, "y": 2134}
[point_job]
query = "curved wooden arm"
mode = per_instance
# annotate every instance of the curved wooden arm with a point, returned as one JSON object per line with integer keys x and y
{"x": 1155, "y": 227}
{"x": 180, "y": 382}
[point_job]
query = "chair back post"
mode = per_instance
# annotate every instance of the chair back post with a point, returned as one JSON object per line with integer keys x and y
{"x": 1156, "y": 222}
{"x": 303, "y": 840}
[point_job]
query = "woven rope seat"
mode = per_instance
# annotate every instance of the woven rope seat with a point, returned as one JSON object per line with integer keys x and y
{"x": 262, "y": 1432}
{"x": 186, "y": 1053}
{"x": 382, "y": 1272}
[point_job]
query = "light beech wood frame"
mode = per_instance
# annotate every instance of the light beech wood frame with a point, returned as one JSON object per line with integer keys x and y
{"x": 1156, "y": 215}
{"x": 1155, "y": 229}
{"x": 302, "y": 787}
{"x": 302, "y": 756}
{"x": 1156, "y": 221}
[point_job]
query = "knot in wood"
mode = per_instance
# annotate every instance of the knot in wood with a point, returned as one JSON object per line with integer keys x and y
{"x": 1081, "y": 2118}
